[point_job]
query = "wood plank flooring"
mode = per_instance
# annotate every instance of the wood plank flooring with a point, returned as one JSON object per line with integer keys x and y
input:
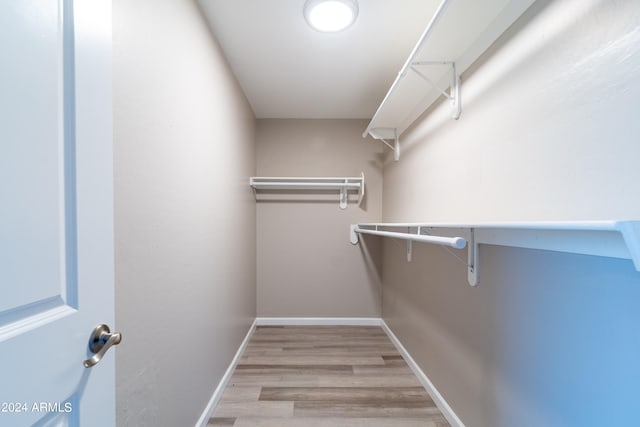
{"x": 322, "y": 376}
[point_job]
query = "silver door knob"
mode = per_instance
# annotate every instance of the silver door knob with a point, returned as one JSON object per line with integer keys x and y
{"x": 100, "y": 341}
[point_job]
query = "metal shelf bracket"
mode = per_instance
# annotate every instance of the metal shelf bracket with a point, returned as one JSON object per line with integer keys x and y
{"x": 343, "y": 195}
{"x": 454, "y": 92}
{"x": 472, "y": 259}
{"x": 386, "y": 134}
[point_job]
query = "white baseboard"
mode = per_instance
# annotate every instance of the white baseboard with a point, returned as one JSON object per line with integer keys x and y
{"x": 424, "y": 380}
{"x": 318, "y": 321}
{"x": 331, "y": 321}
{"x": 217, "y": 394}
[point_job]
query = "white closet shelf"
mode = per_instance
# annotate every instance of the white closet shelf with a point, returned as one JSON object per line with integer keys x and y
{"x": 457, "y": 34}
{"x": 342, "y": 184}
{"x": 616, "y": 239}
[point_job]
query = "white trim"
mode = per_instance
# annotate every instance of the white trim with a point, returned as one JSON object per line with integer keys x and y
{"x": 424, "y": 380}
{"x": 217, "y": 394}
{"x": 318, "y": 321}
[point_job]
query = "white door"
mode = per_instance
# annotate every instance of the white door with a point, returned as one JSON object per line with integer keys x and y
{"x": 56, "y": 212}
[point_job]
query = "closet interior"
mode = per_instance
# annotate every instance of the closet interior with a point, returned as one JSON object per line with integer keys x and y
{"x": 496, "y": 248}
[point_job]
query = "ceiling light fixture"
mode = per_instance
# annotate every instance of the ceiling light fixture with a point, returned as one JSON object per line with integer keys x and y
{"x": 330, "y": 15}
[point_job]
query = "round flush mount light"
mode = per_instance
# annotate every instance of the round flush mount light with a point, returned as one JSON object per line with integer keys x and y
{"x": 330, "y": 15}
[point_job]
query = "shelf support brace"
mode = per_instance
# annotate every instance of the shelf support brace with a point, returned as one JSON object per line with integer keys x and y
{"x": 343, "y": 195}
{"x": 631, "y": 234}
{"x": 396, "y": 145}
{"x": 454, "y": 93}
{"x": 353, "y": 235}
{"x": 472, "y": 259}
{"x": 383, "y": 134}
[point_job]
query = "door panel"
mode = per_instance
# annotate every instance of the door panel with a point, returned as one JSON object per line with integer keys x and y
{"x": 32, "y": 175}
{"x": 56, "y": 212}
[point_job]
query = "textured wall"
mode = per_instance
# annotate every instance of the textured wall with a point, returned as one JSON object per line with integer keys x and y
{"x": 549, "y": 131}
{"x": 547, "y": 127}
{"x": 306, "y": 265}
{"x": 185, "y": 216}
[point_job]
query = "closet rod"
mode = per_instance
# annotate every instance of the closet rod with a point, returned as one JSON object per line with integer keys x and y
{"x": 454, "y": 242}
{"x": 306, "y": 184}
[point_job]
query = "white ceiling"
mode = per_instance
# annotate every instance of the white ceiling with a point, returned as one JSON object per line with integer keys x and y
{"x": 289, "y": 70}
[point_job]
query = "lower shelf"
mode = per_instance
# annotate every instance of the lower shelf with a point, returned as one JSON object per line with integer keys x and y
{"x": 616, "y": 239}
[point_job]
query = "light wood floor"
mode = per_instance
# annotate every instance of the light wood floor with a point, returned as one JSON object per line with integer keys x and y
{"x": 321, "y": 376}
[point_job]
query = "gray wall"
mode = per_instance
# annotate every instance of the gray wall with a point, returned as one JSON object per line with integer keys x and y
{"x": 306, "y": 265}
{"x": 185, "y": 216}
{"x": 549, "y": 131}
{"x": 546, "y": 339}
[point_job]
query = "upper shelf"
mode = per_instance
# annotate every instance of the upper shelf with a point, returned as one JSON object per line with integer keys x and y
{"x": 343, "y": 184}
{"x": 457, "y": 34}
